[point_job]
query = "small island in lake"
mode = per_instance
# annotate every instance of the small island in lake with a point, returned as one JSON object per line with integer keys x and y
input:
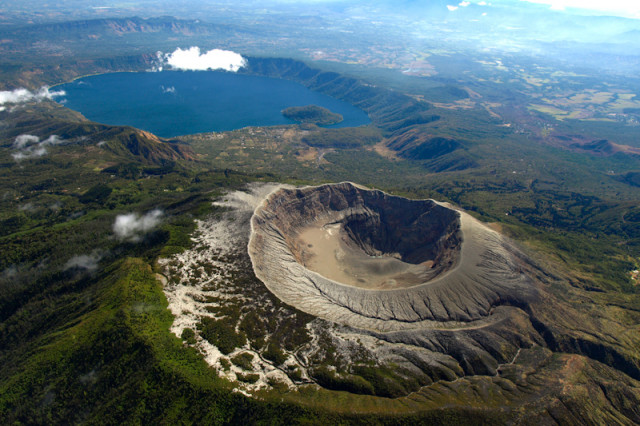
{"x": 313, "y": 114}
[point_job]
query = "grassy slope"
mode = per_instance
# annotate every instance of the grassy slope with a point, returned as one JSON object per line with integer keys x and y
{"x": 118, "y": 363}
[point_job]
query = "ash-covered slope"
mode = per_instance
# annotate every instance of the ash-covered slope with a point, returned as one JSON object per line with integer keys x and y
{"x": 420, "y": 264}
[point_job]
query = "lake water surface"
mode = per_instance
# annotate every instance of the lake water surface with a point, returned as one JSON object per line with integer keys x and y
{"x": 172, "y": 103}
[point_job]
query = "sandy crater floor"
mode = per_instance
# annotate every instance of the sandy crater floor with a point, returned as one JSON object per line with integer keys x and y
{"x": 327, "y": 250}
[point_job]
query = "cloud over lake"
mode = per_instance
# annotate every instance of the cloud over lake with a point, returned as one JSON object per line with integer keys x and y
{"x": 193, "y": 60}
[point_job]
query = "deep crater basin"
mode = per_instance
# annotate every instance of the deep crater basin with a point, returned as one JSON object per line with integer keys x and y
{"x": 366, "y": 238}
{"x": 368, "y": 259}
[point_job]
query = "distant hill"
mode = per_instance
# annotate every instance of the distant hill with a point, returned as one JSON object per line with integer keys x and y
{"x": 604, "y": 147}
{"x": 121, "y": 140}
{"x": 116, "y": 26}
{"x": 630, "y": 178}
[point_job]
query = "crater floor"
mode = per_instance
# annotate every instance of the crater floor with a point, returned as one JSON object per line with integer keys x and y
{"x": 378, "y": 243}
{"x": 325, "y": 249}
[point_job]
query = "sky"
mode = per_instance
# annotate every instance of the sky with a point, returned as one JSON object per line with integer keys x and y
{"x": 626, "y": 8}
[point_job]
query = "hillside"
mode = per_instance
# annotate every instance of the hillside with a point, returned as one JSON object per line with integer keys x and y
{"x": 44, "y": 120}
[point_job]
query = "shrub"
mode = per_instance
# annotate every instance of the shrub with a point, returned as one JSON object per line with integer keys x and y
{"x": 243, "y": 360}
{"x": 221, "y": 334}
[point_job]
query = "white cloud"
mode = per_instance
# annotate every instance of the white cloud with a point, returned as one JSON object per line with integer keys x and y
{"x": 84, "y": 261}
{"x": 216, "y": 59}
{"x": 22, "y": 95}
{"x": 464, "y": 4}
{"x": 23, "y": 141}
{"x": 131, "y": 226}
{"x": 482, "y": 3}
{"x": 452, "y": 8}
{"x": 31, "y": 152}
{"x": 30, "y": 146}
{"x": 52, "y": 140}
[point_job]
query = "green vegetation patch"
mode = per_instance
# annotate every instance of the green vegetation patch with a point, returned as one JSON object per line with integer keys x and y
{"x": 243, "y": 360}
{"x": 275, "y": 354}
{"x": 312, "y": 114}
{"x": 222, "y": 334}
{"x": 351, "y": 137}
{"x": 248, "y": 377}
{"x": 96, "y": 194}
{"x": 189, "y": 336}
{"x": 114, "y": 359}
{"x": 330, "y": 379}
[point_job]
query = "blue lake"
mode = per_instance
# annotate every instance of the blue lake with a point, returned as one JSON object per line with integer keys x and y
{"x": 172, "y": 103}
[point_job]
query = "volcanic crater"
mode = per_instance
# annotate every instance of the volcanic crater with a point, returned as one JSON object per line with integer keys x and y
{"x": 377, "y": 243}
{"x": 368, "y": 259}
